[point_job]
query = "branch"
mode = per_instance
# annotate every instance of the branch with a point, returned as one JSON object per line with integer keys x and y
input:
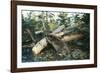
{"x": 30, "y": 33}
{"x": 28, "y": 46}
{"x": 59, "y": 29}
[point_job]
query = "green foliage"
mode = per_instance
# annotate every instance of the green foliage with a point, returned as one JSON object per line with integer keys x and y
{"x": 63, "y": 18}
{"x": 52, "y": 26}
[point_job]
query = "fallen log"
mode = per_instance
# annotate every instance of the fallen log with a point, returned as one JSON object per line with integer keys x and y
{"x": 56, "y": 42}
{"x": 39, "y": 46}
